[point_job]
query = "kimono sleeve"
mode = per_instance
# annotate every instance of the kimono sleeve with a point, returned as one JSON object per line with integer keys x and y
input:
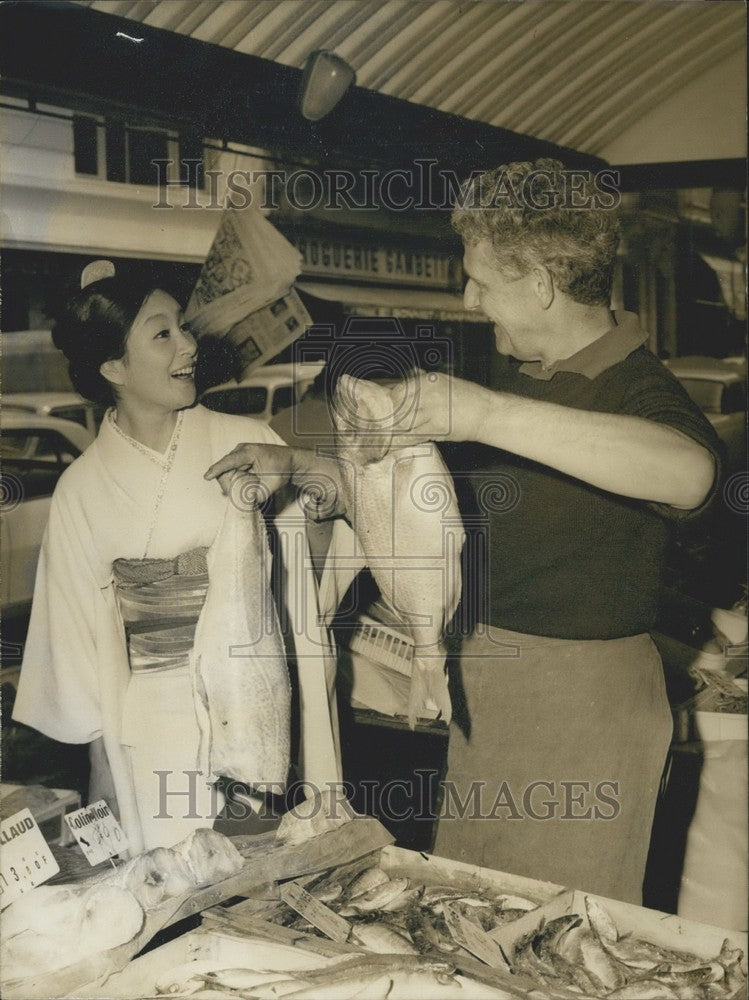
{"x": 58, "y": 689}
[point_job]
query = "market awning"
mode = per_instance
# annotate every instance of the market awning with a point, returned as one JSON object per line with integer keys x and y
{"x": 405, "y": 303}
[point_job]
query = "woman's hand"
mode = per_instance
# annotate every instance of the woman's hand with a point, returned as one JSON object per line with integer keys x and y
{"x": 269, "y": 464}
{"x": 273, "y": 466}
{"x": 320, "y": 484}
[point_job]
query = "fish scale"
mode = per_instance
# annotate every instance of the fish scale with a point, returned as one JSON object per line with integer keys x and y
{"x": 238, "y": 662}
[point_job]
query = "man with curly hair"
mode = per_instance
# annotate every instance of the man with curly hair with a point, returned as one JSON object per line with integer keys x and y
{"x": 561, "y": 724}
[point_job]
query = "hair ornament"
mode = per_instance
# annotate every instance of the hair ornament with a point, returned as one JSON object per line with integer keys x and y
{"x": 95, "y": 271}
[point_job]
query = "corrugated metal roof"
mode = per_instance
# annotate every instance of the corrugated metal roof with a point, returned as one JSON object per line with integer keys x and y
{"x": 575, "y": 72}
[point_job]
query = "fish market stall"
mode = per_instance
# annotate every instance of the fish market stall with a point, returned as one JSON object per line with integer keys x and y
{"x": 328, "y": 907}
{"x": 84, "y": 925}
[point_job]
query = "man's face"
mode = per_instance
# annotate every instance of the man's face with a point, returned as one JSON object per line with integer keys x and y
{"x": 507, "y": 301}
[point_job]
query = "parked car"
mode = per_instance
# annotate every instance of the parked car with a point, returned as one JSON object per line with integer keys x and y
{"x": 36, "y": 450}
{"x": 718, "y": 387}
{"x": 64, "y": 405}
{"x": 264, "y": 392}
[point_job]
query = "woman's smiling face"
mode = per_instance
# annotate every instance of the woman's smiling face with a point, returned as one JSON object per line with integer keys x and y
{"x": 158, "y": 367}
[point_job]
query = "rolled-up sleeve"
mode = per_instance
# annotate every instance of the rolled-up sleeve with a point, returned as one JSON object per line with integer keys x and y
{"x": 662, "y": 399}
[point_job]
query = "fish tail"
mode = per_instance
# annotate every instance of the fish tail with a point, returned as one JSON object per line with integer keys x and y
{"x": 428, "y": 688}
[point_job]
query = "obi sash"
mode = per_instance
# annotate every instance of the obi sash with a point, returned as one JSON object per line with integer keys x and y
{"x": 160, "y": 601}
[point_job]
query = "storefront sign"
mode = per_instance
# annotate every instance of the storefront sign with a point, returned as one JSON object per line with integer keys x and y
{"x": 98, "y": 833}
{"x": 371, "y": 262}
{"x": 25, "y": 858}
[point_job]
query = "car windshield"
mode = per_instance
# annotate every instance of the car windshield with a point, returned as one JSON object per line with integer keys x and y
{"x": 16, "y": 444}
{"x": 76, "y": 413}
{"x": 40, "y": 444}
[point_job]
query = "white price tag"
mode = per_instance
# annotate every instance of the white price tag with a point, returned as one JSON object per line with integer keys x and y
{"x": 25, "y": 858}
{"x": 318, "y": 914}
{"x": 97, "y": 832}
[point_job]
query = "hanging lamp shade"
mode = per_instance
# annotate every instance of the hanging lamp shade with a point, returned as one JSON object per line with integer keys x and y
{"x": 326, "y": 79}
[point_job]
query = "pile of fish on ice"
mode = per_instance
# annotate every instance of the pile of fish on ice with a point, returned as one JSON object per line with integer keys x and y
{"x": 397, "y": 916}
{"x": 567, "y": 953}
{"x": 598, "y": 961}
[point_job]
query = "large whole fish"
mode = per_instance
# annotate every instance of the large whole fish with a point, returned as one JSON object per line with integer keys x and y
{"x": 238, "y": 662}
{"x": 402, "y": 506}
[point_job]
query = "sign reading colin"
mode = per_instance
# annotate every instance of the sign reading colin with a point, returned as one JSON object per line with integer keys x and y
{"x": 97, "y": 832}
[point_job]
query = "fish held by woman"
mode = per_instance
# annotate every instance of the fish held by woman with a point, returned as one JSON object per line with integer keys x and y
{"x": 238, "y": 663}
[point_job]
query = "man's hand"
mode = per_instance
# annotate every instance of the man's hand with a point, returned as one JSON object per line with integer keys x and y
{"x": 272, "y": 466}
{"x": 431, "y": 406}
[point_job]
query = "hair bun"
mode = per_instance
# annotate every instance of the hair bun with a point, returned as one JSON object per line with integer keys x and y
{"x": 95, "y": 271}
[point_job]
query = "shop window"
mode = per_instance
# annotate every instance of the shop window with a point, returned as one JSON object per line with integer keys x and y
{"x": 125, "y": 154}
{"x": 142, "y": 149}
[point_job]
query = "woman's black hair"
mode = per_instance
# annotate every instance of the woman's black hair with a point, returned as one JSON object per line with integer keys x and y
{"x": 93, "y": 329}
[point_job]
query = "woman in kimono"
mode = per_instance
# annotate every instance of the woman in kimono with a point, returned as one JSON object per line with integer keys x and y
{"x": 122, "y": 573}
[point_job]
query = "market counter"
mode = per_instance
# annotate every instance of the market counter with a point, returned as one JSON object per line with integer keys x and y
{"x": 366, "y": 919}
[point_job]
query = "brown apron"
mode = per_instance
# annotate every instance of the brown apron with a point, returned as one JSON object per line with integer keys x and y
{"x": 556, "y": 753}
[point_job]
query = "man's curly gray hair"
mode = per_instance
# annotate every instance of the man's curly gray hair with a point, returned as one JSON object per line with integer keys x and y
{"x": 530, "y": 215}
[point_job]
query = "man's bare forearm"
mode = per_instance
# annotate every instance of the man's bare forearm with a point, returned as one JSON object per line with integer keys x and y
{"x": 626, "y": 455}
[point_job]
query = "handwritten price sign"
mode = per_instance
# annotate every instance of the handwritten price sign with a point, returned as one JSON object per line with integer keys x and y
{"x": 25, "y": 858}
{"x": 97, "y": 832}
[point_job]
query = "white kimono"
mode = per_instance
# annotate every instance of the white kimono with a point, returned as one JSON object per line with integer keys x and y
{"x": 76, "y": 685}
